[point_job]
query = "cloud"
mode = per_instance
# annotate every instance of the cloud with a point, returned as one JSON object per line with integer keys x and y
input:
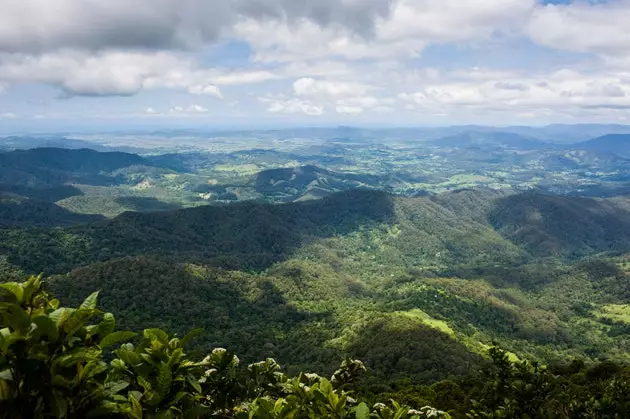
{"x": 596, "y": 27}
{"x": 282, "y": 105}
{"x": 322, "y": 88}
{"x": 406, "y": 31}
{"x": 205, "y": 90}
{"x": 351, "y": 110}
{"x": 150, "y": 111}
{"x": 42, "y": 26}
{"x": 559, "y": 93}
{"x": 191, "y": 109}
{"x": 8, "y": 115}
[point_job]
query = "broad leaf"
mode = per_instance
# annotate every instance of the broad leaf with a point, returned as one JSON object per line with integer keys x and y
{"x": 116, "y": 338}
{"x": 90, "y": 301}
{"x": 15, "y": 289}
{"x": 47, "y": 327}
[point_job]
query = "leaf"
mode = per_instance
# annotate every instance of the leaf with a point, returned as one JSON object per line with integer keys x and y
{"x": 362, "y": 411}
{"x": 47, "y": 327}
{"x": 198, "y": 411}
{"x": 114, "y": 387}
{"x": 90, "y": 301}
{"x": 190, "y": 336}
{"x": 116, "y": 338}
{"x": 107, "y": 325}
{"x": 77, "y": 320}
{"x": 15, "y": 317}
{"x": 59, "y": 316}
{"x": 194, "y": 383}
{"x": 156, "y": 334}
{"x": 58, "y": 405}
{"x": 136, "y": 408}
{"x": 15, "y": 289}
{"x": 6, "y": 375}
{"x": 163, "y": 383}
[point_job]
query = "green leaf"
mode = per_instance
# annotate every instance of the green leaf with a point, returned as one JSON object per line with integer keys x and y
{"x": 190, "y": 336}
{"x": 15, "y": 317}
{"x": 362, "y": 411}
{"x": 156, "y": 334}
{"x": 114, "y": 387}
{"x": 77, "y": 320}
{"x": 15, "y": 289}
{"x": 194, "y": 383}
{"x": 90, "y": 301}
{"x": 107, "y": 325}
{"x": 163, "y": 383}
{"x": 6, "y": 375}
{"x": 47, "y": 327}
{"x": 136, "y": 408}
{"x": 59, "y": 316}
{"x": 58, "y": 405}
{"x": 116, "y": 338}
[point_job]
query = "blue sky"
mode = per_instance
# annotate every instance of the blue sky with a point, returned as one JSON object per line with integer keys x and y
{"x": 247, "y": 63}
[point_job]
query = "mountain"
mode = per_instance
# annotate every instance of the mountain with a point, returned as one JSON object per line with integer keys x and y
{"x": 79, "y": 161}
{"x": 18, "y": 211}
{"x": 25, "y": 143}
{"x": 417, "y": 287}
{"x": 492, "y": 139}
{"x": 612, "y": 143}
{"x": 306, "y": 182}
{"x": 45, "y": 167}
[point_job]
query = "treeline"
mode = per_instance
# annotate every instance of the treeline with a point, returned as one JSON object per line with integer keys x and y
{"x": 73, "y": 363}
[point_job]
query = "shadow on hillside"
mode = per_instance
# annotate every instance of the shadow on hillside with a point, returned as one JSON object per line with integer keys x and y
{"x": 145, "y": 204}
{"x": 548, "y": 225}
{"x": 242, "y": 236}
{"x": 20, "y": 212}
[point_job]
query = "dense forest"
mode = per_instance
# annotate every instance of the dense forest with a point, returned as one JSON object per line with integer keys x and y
{"x": 74, "y": 363}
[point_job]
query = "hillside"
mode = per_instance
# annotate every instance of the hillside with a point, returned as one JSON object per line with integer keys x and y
{"x": 611, "y": 143}
{"x": 46, "y": 167}
{"x": 360, "y": 273}
{"x": 18, "y": 211}
{"x": 306, "y": 182}
{"x": 492, "y": 139}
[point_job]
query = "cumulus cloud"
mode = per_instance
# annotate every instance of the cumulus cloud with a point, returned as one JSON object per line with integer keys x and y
{"x": 406, "y": 31}
{"x": 40, "y": 26}
{"x": 597, "y": 27}
{"x": 205, "y": 90}
{"x": 283, "y": 105}
{"x": 556, "y": 93}
{"x": 327, "y": 89}
{"x": 192, "y": 109}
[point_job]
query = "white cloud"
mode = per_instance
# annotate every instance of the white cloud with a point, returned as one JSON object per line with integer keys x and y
{"x": 407, "y": 31}
{"x": 599, "y": 27}
{"x": 191, "y": 109}
{"x": 205, "y": 90}
{"x": 150, "y": 111}
{"x": 284, "y": 105}
{"x": 8, "y": 115}
{"x": 351, "y": 110}
{"x": 327, "y": 89}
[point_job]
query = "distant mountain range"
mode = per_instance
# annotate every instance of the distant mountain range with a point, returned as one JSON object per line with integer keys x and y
{"x": 612, "y": 143}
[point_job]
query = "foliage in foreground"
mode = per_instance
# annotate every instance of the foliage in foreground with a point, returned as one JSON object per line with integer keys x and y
{"x": 58, "y": 362}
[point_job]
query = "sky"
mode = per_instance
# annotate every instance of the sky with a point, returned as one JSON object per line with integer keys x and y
{"x": 248, "y": 63}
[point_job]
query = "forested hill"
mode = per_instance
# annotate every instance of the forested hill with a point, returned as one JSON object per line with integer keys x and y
{"x": 417, "y": 287}
{"x": 470, "y": 228}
